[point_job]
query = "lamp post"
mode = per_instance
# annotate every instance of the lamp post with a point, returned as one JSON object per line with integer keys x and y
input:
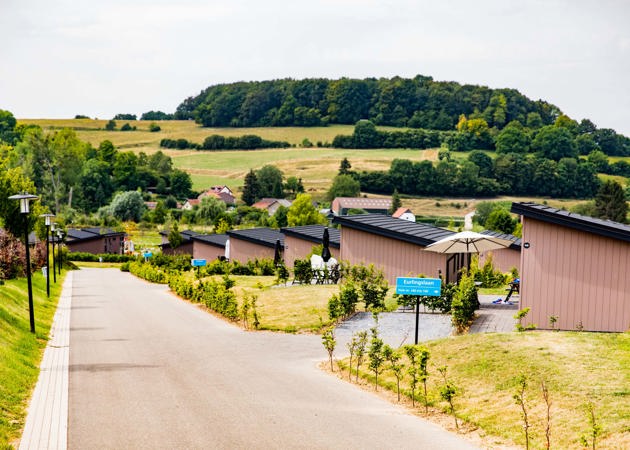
{"x": 59, "y": 253}
{"x": 53, "y": 229}
{"x": 24, "y": 199}
{"x": 47, "y": 218}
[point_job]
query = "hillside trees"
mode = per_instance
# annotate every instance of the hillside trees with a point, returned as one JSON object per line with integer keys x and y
{"x": 343, "y": 186}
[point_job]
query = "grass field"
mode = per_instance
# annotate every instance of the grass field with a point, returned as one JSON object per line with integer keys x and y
{"x": 316, "y": 166}
{"x": 21, "y": 351}
{"x": 577, "y": 367}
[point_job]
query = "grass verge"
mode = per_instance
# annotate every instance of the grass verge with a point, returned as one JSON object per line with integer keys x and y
{"x": 21, "y": 351}
{"x": 577, "y": 367}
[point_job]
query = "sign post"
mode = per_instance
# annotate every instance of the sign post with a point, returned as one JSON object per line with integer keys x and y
{"x": 420, "y": 287}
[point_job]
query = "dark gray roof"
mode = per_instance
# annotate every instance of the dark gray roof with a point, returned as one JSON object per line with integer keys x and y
{"x": 218, "y": 240}
{"x": 261, "y": 236}
{"x": 186, "y": 235}
{"x": 391, "y": 227}
{"x": 314, "y": 233}
{"x": 607, "y": 228}
{"x": 517, "y": 240}
{"x": 86, "y": 234}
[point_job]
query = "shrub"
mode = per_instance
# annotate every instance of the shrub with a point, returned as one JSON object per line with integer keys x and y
{"x": 465, "y": 302}
{"x": 303, "y": 273}
{"x": 104, "y": 257}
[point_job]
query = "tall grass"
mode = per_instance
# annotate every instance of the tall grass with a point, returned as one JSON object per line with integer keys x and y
{"x": 21, "y": 351}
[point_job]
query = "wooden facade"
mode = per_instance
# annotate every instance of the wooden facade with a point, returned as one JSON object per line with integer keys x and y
{"x": 95, "y": 240}
{"x": 253, "y": 243}
{"x": 574, "y": 268}
{"x": 299, "y": 242}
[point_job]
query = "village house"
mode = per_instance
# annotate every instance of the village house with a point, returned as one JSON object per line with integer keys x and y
{"x": 271, "y": 205}
{"x": 342, "y": 205}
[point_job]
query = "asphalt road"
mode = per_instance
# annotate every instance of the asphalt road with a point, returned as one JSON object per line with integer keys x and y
{"x": 148, "y": 370}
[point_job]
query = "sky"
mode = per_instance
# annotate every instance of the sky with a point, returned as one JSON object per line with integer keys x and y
{"x": 60, "y": 58}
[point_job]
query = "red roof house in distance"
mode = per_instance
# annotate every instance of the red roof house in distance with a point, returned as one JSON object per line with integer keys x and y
{"x": 271, "y": 204}
{"x": 222, "y": 193}
{"x": 404, "y": 214}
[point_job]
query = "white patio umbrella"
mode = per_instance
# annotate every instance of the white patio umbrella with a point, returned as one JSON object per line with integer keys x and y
{"x": 468, "y": 242}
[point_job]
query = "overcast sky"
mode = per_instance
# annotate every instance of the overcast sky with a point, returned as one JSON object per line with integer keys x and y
{"x": 60, "y": 58}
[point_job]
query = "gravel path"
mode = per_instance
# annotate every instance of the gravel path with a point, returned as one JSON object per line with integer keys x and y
{"x": 398, "y": 328}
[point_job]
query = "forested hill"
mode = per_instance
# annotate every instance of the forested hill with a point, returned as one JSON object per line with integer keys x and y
{"x": 419, "y": 102}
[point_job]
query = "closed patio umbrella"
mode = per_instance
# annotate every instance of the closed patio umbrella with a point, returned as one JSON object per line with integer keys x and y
{"x": 326, "y": 255}
{"x": 468, "y": 242}
{"x": 277, "y": 256}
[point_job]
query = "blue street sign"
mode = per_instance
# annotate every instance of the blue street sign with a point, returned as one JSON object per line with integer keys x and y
{"x": 198, "y": 262}
{"x": 147, "y": 254}
{"x": 431, "y": 287}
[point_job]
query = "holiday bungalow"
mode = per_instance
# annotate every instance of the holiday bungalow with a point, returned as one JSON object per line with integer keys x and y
{"x": 575, "y": 269}
{"x": 253, "y": 243}
{"x": 210, "y": 246}
{"x": 299, "y": 241}
{"x": 95, "y": 240}
{"x": 396, "y": 246}
{"x": 185, "y": 247}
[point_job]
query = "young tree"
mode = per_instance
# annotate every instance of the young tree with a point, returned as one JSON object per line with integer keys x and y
{"x": 412, "y": 353}
{"x": 362, "y": 339}
{"x": 610, "y": 202}
{"x": 396, "y": 203}
{"x": 393, "y": 357}
{"x": 329, "y": 341}
{"x": 174, "y": 237}
{"x": 250, "y": 188}
{"x": 303, "y": 212}
{"x": 376, "y": 356}
{"x": 344, "y": 167}
{"x": 343, "y": 186}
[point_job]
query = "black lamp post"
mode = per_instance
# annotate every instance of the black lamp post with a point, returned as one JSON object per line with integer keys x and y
{"x": 53, "y": 232}
{"x": 24, "y": 199}
{"x": 47, "y": 218}
{"x": 59, "y": 253}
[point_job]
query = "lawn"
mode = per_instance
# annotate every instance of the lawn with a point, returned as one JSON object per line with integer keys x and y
{"x": 20, "y": 351}
{"x": 577, "y": 367}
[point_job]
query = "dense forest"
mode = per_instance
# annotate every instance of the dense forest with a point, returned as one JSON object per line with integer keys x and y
{"x": 419, "y": 102}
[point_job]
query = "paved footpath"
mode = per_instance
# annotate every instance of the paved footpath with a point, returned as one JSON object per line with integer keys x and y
{"x": 148, "y": 370}
{"x": 47, "y": 420}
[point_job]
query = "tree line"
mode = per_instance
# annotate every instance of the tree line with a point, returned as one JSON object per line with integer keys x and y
{"x": 218, "y": 142}
{"x": 418, "y": 102}
{"x": 564, "y": 138}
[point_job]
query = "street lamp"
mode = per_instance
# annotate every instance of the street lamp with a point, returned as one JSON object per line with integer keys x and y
{"x": 59, "y": 253}
{"x": 48, "y": 218}
{"x": 24, "y": 199}
{"x": 53, "y": 229}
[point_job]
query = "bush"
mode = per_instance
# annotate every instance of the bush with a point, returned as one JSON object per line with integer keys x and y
{"x": 302, "y": 271}
{"x": 465, "y": 302}
{"x": 104, "y": 257}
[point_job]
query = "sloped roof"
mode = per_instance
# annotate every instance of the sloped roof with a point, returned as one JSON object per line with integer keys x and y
{"x": 544, "y": 213}
{"x": 516, "y": 240}
{"x": 400, "y": 211}
{"x": 85, "y": 234}
{"x": 391, "y": 227}
{"x": 314, "y": 233}
{"x": 186, "y": 235}
{"x": 261, "y": 236}
{"x": 265, "y": 203}
{"x": 218, "y": 240}
{"x": 364, "y": 203}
